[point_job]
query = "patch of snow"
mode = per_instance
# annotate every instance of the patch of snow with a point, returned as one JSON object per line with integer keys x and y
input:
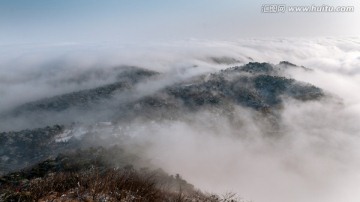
{"x": 79, "y": 132}
{"x": 64, "y": 137}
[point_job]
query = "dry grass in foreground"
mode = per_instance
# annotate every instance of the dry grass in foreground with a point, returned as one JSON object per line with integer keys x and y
{"x": 80, "y": 177}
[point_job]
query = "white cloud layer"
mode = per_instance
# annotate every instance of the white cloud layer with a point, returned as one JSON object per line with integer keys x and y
{"x": 315, "y": 159}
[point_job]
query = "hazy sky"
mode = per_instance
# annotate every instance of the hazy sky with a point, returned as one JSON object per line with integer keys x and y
{"x": 63, "y": 21}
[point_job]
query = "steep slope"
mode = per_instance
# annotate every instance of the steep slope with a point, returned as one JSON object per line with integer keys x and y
{"x": 96, "y": 174}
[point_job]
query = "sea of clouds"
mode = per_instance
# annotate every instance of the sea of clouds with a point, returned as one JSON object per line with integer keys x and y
{"x": 314, "y": 159}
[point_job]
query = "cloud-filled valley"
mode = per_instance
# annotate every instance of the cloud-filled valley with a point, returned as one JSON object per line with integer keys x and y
{"x": 226, "y": 115}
